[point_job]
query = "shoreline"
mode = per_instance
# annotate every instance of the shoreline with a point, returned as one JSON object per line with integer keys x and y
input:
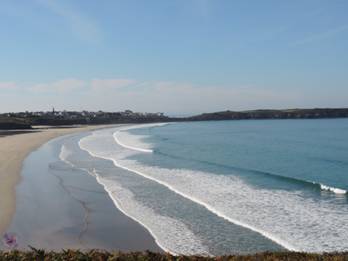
{"x": 269, "y": 236}
{"x": 84, "y": 217}
{"x": 14, "y": 148}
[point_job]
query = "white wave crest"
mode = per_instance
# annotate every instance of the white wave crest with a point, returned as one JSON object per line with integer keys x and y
{"x": 332, "y": 189}
{"x": 286, "y": 217}
{"x": 119, "y": 157}
{"x": 166, "y": 231}
{"x": 134, "y": 142}
{"x": 171, "y": 235}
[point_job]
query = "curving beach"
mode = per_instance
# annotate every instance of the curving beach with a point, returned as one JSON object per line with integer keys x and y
{"x": 48, "y": 205}
{"x": 14, "y": 148}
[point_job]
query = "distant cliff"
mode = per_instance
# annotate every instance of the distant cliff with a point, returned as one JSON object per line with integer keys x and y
{"x": 272, "y": 114}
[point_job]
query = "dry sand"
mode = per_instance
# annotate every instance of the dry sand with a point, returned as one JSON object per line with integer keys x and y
{"x": 13, "y": 150}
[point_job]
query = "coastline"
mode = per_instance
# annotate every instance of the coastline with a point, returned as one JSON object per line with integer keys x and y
{"x": 13, "y": 150}
{"x": 175, "y": 203}
{"x": 89, "y": 195}
{"x": 82, "y": 217}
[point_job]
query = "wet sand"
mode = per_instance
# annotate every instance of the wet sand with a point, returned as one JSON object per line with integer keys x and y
{"x": 58, "y": 206}
{"x": 14, "y": 148}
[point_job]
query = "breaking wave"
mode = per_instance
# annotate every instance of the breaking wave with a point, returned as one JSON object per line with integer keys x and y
{"x": 134, "y": 142}
{"x": 170, "y": 234}
{"x": 332, "y": 189}
{"x": 288, "y": 218}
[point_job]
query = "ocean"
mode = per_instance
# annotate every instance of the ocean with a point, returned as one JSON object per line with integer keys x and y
{"x": 225, "y": 187}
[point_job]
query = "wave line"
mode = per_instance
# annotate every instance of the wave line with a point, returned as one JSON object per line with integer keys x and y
{"x": 207, "y": 206}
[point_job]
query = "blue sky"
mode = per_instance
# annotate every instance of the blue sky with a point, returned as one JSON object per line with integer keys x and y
{"x": 173, "y": 56}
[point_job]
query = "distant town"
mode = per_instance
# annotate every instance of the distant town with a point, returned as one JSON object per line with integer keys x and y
{"x": 54, "y": 117}
{"x": 25, "y": 120}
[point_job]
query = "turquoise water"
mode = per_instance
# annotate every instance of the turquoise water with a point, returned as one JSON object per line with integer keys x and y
{"x": 228, "y": 186}
{"x": 261, "y": 151}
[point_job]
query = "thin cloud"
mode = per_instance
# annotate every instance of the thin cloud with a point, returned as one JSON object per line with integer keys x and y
{"x": 170, "y": 97}
{"x": 8, "y": 86}
{"x": 321, "y": 36}
{"x": 176, "y": 97}
{"x": 82, "y": 26}
{"x": 98, "y": 84}
{"x": 66, "y": 85}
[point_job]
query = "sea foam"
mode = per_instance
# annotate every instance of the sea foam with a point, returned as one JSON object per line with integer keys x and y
{"x": 171, "y": 235}
{"x": 332, "y": 189}
{"x": 134, "y": 142}
{"x": 288, "y": 218}
{"x": 175, "y": 231}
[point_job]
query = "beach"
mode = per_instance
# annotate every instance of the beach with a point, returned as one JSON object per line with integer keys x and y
{"x": 14, "y": 148}
{"x": 49, "y": 204}
{"x": 134, "y": 188}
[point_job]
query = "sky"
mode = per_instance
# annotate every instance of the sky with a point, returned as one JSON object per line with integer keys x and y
{"x": 175, "y": 56}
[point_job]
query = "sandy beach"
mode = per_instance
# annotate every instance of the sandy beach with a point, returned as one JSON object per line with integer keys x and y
{"x": 13, "y": 150}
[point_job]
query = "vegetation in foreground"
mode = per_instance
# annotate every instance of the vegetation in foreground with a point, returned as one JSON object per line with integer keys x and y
{"x": 36, "y": 254}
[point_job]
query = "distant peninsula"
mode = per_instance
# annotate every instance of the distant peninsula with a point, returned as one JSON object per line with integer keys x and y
{"x": 273, "y": 114}
{"x": 25, "y": 120}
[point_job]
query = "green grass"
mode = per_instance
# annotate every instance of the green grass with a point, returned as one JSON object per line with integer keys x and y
{"x": 37, "y": 254}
